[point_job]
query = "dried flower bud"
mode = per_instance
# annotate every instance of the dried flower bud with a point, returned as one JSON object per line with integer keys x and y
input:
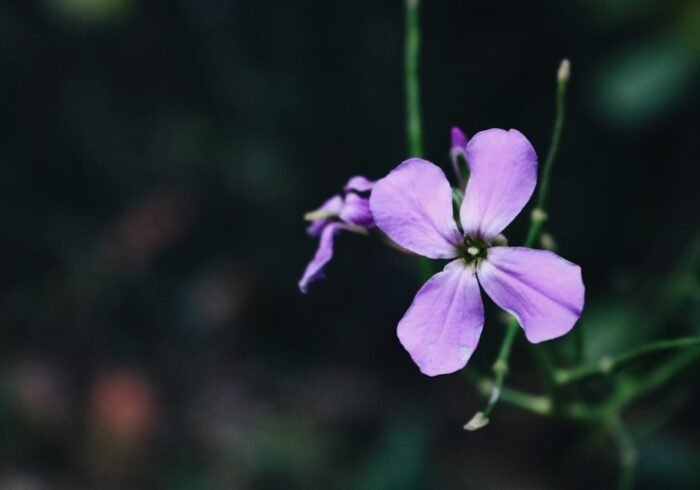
{"x": 564, "y": 71}
{"x": 477, "y": 422}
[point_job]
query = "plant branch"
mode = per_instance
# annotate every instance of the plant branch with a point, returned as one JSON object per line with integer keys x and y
{"x": 609, "y": 365}
{"x": 627, "y": 452}
{"x": 539, "y": 215}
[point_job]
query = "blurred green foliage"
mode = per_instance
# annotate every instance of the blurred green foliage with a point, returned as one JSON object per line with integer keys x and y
{"x": 90, "y": 12}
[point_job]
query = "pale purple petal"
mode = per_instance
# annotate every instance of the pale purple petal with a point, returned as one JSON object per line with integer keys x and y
{"x": 324, "y": 254}
{"x": 503, "y": 174}
{"x": 443, "y": 325}
{"x": 358, "y": 184}
{"x": 413, "y": 206}
{"x": 356, "y": 211}
{"x": 543, "y": 291}
{"x": 334, "y": 205}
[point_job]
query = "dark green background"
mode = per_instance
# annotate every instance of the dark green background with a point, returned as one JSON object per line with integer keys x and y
{"x": 156, "y": 159}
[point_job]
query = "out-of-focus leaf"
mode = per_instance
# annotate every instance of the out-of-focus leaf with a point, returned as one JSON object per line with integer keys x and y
{"x": 644, "y": 82}
{"x": 614, "y": 327}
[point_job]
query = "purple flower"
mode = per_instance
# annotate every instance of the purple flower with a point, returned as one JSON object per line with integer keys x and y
{"x": 413, "y": 206}
{"x": 349, "y": 212}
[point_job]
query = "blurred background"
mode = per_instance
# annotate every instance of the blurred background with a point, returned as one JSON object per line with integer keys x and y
{"x": 156, "y": 159}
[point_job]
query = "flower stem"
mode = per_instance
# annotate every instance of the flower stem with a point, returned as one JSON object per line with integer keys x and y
{"x": 659, "y": 376}
{"x": 411, "y": 79}
{"x": 608, "y": 365}
{"x": 414, "y": 127}
{"x": 538, "y": 404}
{"x": 500, "y": 367}
{"x": 539, "y": 215}
{"x": 627, "y": 450}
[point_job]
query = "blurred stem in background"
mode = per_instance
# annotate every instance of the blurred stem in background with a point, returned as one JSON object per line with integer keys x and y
{"x": 539, "y": 214}
{"x": 414, "y": 125}
{"x": 608, "y": 365}
{"x": 414, "y": 132}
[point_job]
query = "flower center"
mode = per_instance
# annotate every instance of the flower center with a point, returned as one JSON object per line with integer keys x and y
{"x": 473, "y": 250}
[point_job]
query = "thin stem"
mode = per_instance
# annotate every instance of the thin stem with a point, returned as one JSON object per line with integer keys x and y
{"x": 539, "y": 215}
{"x": 538, "y": 404}
{"x": 608, "y": 365}
{"x": 500, "y": 367}
{"x": 414, "y": 128}
{"x": 411, "y": 78}
{"x": 662, "y": 374}
{"x": 627, "y": 452}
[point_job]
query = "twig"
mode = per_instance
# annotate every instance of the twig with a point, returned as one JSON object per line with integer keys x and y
{"x": 609, "y": 365}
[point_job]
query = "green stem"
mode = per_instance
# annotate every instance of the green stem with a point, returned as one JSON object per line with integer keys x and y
{"x": 539, "y": 215}
{"x": 414, "y": 128}
{"x": 500, "y": 367}
{"x": 411, "y": 78}
{"x": 538, "y": 404}
{"x": 541, "y": 405}
{"x": 630, "y": 389}
{"x": 662, "y": 374}
{"x": 627, "y": 451}
{"x": 608, "y": 365}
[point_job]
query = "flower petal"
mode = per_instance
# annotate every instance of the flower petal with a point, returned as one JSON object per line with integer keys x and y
{"x": 334, "y": 205}
{"x": 358, "y": 184}
{"x": 323, "y": 255}
{"x": 442, "y": 327}
{"x": 503, "y": 174}
{"x": 413, "y": 206}
{"x": 542, "y": 290}
{"x": 356, "y": 211}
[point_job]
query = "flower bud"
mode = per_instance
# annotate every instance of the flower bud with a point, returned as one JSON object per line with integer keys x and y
{"x": 564, "y": 71}
{"x": 477, "y": 422}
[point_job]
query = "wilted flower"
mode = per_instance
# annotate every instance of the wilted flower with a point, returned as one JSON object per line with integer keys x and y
{"x": 413, "y": 207}
{"x": 348, "y": 212}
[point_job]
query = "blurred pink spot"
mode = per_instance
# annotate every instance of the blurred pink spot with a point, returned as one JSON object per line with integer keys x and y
{"x": 122, "y": 404}
{"x": 146, "y": 229}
